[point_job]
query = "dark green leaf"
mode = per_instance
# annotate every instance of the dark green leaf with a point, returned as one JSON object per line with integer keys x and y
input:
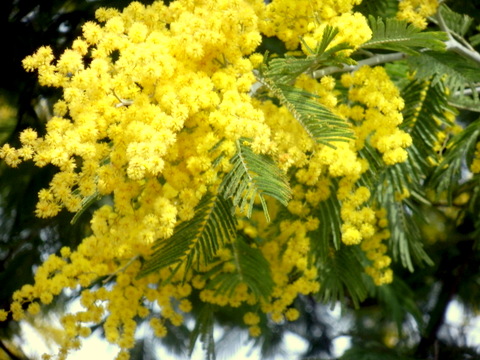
{"x": 195, "y": 240}
{"x": 251, "y": 268}
{"x": 204, "y": 327}
{"x": 398, "y": 35}
{"x": 254, "y": 175}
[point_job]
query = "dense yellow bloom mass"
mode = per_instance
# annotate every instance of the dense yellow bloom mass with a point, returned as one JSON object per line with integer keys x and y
{"x": 353, "y": 29}
{"x": 292, "y": 20}
{"x": 154, "y": 99}
{"x": 417, "y": 11}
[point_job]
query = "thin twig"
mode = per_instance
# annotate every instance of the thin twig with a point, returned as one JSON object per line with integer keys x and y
{"x": 121, "y": 269}
{"x": 453, "y": 44}
{"x": 374, "y": 60}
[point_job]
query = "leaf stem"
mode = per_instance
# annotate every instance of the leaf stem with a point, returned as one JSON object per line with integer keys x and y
{"x": 121, "y": 269}
{"x": 453, "y": 44}
{"x": 374, "y": 60}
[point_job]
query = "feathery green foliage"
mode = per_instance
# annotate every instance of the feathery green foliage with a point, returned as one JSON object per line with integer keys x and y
{"x": 251, "y": 268}
{"x": 254, "y": 175}
{"x": 398, "y": 35}
{"x": 328, "y": 234}
{"x": 425, "y": 118}
{"x": 203, "y": 330}
{"x": 457, "y": 72}
{"x": 341, "y": 276}
{"x": 199, "y": 238}
{"x": 321, "y": 124}
{"x": 405, "y": 240}
{"x": 465, "y": 101}
{"x": 285, "y": 70}
{"x": 442, "y": 79}
{"x": 385, "y": 183}
{"x": 458, "y": 155}
{"x": 458, "y": 24}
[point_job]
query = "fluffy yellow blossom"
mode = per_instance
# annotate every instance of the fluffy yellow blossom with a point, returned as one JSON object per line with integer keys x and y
{"x": 378, "y": 123}
{"x": 154, "y": 100}
{"x": 417, "y": 11}
{"x": 254, "y": 331}
{"x": 289, "y": 20}
{"x": 353, "y": 29}
{"x": 251, "y": 318}
{"x": 475, "y": 166}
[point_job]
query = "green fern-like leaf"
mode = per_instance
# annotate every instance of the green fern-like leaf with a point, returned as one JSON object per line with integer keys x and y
{"x": 458, "y": 24}
{"x": 398, "y": 35}
{"x": 328, "y": 233}
{"x": 321, "y": 124}
{"x": 475, "y": 39}
{"x": 254, "y": 175}
{"x": 456, "y": 71}
{"x": 405, "y": 239}
{"x": 466, "y": 102}
{"x": 251, "y": 268}
{"x": 459, "y": 153}
{"x": 386, "y": 181}
{"x": 203, "y": 330}
{"x": 197, "y": 239}
{"x": 286, "y": 70}
{"x": 425, "y": 117}
{"x": 340, "y": 275}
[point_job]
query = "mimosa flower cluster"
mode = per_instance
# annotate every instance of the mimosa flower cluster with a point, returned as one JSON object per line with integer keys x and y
{"x": 417, "y": 11}
{"x": 154, "y": 100}
{"x": 292, "y": 20}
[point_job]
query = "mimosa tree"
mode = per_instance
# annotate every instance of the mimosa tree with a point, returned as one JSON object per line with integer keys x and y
{"x": 229, "y": 181}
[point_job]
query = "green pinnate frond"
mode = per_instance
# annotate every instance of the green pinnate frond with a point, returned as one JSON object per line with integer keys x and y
{"x": 254, "y": 175}
{"x": 458, "y": 24}
{"x": 196, "y": 240}
{"x": 464, "y": 101}
{"x": 455, "y": 71}
{"x": 398, "y": 35}
{"x": 286, "y": 70}
{"x": 425, "y": 118}
{"x": 328, "y": 233}
{"x": 251, "y": 268}
{"x": 386, "y": 184}
{"x": 341, "y": 274}
{"x": 321, "y": 124}
{"x": 460, "y": 152}
{"x": 203, "y": 330}
{"x": 405, "y": 240}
